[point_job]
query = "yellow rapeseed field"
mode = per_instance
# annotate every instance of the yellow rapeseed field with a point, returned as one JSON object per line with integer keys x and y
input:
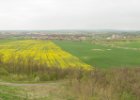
{"x": 42, "y": 52}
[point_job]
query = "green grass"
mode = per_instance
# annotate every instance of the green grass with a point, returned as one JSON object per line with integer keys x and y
{"x": 104, "y": 57}
{"x": 10, "y": 93}
{"x": 129, "y": 44}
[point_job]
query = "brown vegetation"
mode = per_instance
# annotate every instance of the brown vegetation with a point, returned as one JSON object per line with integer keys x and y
{"x": 112, "y": 84}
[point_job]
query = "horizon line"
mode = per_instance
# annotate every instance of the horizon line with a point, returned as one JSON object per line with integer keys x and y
{"x": 70, "y": 30}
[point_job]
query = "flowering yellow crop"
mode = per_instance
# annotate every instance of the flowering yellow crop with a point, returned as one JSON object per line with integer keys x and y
{"x": 43, "y": 52}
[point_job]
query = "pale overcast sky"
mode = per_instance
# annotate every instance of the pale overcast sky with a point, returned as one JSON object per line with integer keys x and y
{"x": 69, "y": 14}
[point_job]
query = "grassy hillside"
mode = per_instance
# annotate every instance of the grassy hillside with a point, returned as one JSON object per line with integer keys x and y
{"x": 110, "y": 84}
{"x": 24, "y": 63}
{"x": 102, "y": 55}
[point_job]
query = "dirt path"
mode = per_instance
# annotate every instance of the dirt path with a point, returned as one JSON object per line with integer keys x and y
{"x": 120, "y": 47}
{"x": 27, "y": 84}
{"x": 36, "y": 91}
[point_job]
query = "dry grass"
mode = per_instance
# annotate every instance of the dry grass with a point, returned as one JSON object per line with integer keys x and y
{"x": 108, "y": 84}
{"x": 111, "y": 84}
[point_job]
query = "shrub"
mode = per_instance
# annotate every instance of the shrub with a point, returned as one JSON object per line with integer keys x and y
{"x": 3, "y": 72}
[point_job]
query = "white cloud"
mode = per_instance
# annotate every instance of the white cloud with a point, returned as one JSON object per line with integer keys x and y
{"x": 69, "y": 14}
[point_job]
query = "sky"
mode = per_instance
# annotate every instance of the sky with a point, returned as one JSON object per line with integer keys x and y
{"x": 69, "y": 14}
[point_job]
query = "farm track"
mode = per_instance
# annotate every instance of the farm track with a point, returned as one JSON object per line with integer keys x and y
{"x": 127, "y": 48}
{"x": 119, "y": 47}
{"x": 26, "y": 84}
{"x": 34, "y": 91}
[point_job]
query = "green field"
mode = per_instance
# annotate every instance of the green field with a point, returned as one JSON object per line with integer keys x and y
{"x": 102, "y": 55}
{"x": 128, "y": 44}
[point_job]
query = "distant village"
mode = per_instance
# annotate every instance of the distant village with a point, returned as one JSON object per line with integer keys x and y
{"x": 75, "y": 36}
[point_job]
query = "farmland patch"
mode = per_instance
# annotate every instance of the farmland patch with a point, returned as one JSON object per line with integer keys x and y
{"x": 44, "y": 53}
